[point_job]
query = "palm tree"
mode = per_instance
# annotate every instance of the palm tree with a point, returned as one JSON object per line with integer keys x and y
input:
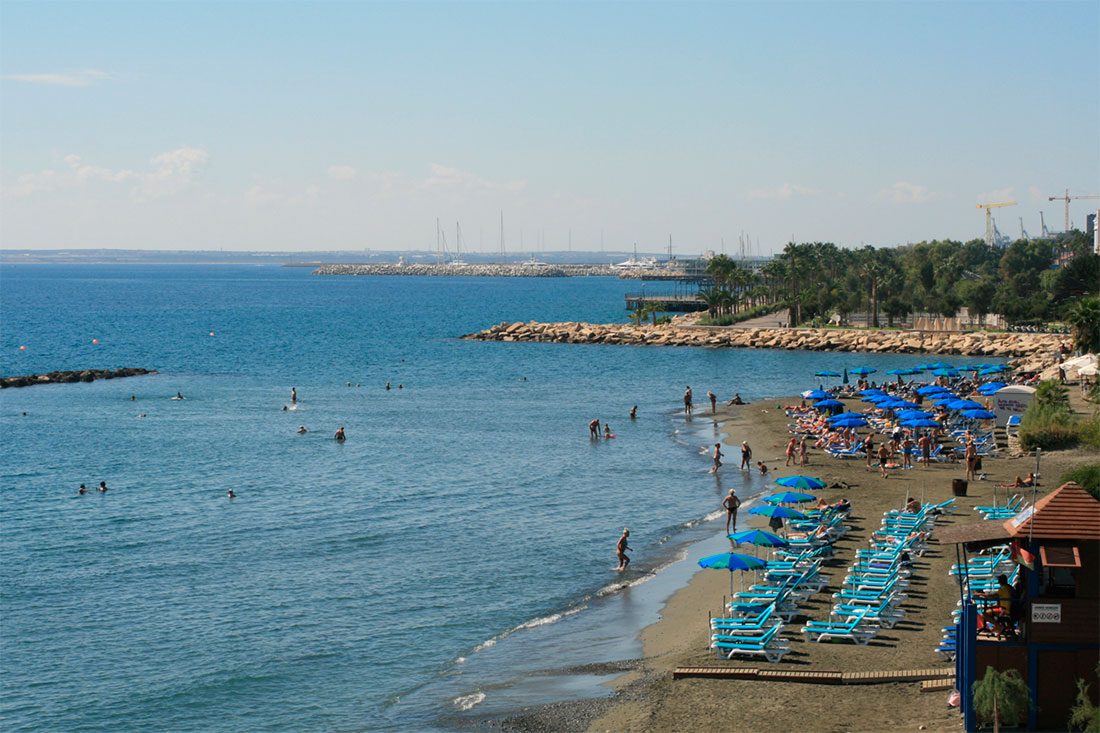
{"x": 1084, "y": 316}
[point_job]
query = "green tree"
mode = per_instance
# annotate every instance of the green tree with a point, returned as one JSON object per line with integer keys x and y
{"x": 1084, "y": 317}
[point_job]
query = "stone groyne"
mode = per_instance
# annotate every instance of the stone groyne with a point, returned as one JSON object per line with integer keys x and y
{"x": 1036, "y": 346}
{"x": 519, "y": 269}
{"x": 84, "y": 375}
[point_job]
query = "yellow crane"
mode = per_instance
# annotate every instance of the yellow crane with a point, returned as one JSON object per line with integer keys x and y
{"x": 989, "y": 219}
{"x": 1067, "y": 198}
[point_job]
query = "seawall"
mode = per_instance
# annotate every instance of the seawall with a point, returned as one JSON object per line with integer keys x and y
{"x": 1039, "y": 347}
{"x": 83, "y": 375}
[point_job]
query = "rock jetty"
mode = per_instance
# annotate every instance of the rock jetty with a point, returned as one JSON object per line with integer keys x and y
{"x": 84, "y": 375}
{"x": 1036, "y": 346}
{"x": 519, "y": 269}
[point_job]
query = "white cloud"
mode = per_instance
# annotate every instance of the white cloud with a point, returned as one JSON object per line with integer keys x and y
{"x": 905, "y": 193}
{"x": 169, "y": 172}
{"x": 1035, "y": 194}
{"x": 1002, "y": 195}
{"x": 783, "y": 192}
{"x": 443, "y": 177}
{"x": 341, "y": 172}
{"x": 83, "y": 78}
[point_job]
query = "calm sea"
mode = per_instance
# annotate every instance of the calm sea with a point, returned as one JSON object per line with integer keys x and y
{"x": 455, "y": 548}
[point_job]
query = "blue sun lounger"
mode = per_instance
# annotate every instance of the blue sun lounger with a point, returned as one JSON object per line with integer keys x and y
{"x": 770, "y": 646}
{"x": 818, "y": 631}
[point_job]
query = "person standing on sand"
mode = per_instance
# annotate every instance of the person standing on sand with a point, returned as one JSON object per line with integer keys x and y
{"x": 687, "y": 400}
{"x": 717, "y": 457}
{"x": 802, "y": 459}
{"x": 791, "y": 445}
{"x": 731, "y": 503}
{"x": 746, "y": 455}
{"x": 883, "y": 456}
{"x": 907, "y": 452}
{"x": 594, "y": 429}
{"x": 621, "y": 549}
{"x": 925, "y": 445}
{"x": 869, "y": 449}
{"x": 971, "y": 460}
{"x": 713, "y": 402}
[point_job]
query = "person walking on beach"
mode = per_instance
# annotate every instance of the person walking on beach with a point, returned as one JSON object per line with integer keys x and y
{"x": 731, "y": 503}
{"x": 717, "y": 457}
{"x": 621, "y": 549}
{"x": 802, "y": 459}
{"x": 791, "y": 445}
{"x": 883, "y": 456}
{"x": 687, "y": 400}
{"x": 293, "y": 396}
{"x": 972, "y": 460}
{"x": 594, "y": 429}
{"x": 907, "y": 452}
{"x": 869, "y": 449}
{"x": 340, "y": 437}
{"x": 746, "y": 455}
{"x": 713, "y": 402}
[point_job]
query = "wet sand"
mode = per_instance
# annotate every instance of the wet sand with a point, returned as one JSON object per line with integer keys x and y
{"x": 648, "y": 699}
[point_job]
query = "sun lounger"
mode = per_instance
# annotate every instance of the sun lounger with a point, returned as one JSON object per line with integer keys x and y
{"x": 818, "y": 631}
{"x": 770, "y": 646}
{"x": 885, "y": 614}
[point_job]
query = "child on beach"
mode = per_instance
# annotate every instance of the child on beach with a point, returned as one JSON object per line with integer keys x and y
{"x": 621, "y": 549}
{"x": 763, "y": 468}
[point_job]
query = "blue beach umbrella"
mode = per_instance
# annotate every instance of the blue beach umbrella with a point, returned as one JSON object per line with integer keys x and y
{"x": 904, "y": 405}
{"x": 845, "y": 380}
{"x": 845, "y": 415}
{"x": 758, "y": 537}
{"x": 943, "y": 398}
{"x": 922, "y": 367}
{"x": 774, "y": 510}
{"x": 732, "y": 561}
{"x": 828, "y": 403}
{"x": 863, "y": 371}
{"x": 946, "y": 372}
{"x": 850, "y": 422}
{"x": 991, "y": 387}
{"x": 870, "y": 391}
{"x": 940, "y": 365}
{"x": 964, "y": 405}
{"x": 826, "y": 374}
{"x": 816, "y": 394}
{"x": 992, "y": 370}
{"x": 876, "y": 398}
{"x": 921, "y": 422}
{"x": 789, "y": 497}
{"x": 931, "y": 389}
{"x": 978, "y": 414}
{"x": 914, "y": 414}
{"x": 896, "y": 372}
{"x": 801, "y": 482}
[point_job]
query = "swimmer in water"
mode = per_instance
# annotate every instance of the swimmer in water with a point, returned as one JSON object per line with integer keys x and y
{"x": 133, "y": 398}
{"x": 634, "y": 412}
{"x": 102, "y": 487}
{"x": 293, "y": 396}
{"x": 82, "y": 490}
{"x": 302, "y": 429}
{"x": 284, "y": 407}
{"x": 607, "y": 431}
{"x": 178, "y": 396}
{"x": 340, "y": 434}
{"x": 387, "y": 386}
{"x": 231, "y": 495}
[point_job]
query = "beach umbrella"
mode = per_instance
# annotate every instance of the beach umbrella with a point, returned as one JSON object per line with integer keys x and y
{"x": 904, "y": 404}
{"x": 896, "y": 372}
{"x": 921, "y": 422}
{"x": 931, "y": 389}
{"x": 876, "y": 398}
{"x": 863, "y": 371}
{"x": 846, "y": 414}
{"x": 939, "y": 365}
{"x": 850, "y": 422}
{"x": 776, "y": 511}
{"x": 869, "y": 392}
{"x": 759, "y": 537}
{"x": 828, "y": 403}
{"x": 789, "y": 497}
{"x": 946, "y": 372}
{"x": 916, "y": 370}
{"x": 922, "y": 367}
{"x": 943, "y": 398}
{"x": 801, "y": 482}
{"x": 978, "y": 414}
{"x": 826, "y": 374}
{"x": 845, "y": 380}
{"x": 816, "y": 394}
{"x": 991, "y": 387}
{"x": 914, "y": 414}
{"x": 964, "y": 405}
{"x": 732, "y": 561}
{"x": 991, "y": 370}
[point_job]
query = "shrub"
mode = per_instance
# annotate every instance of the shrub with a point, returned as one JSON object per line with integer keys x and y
{"x": 731, "y": 318}
{"x": 1088, "y": 431}
{"x": 1047, "y": 422}
{"x": 1086, "y": 476}
{"x": 1084, "y": 715}
{"x": 1001, "y": 697}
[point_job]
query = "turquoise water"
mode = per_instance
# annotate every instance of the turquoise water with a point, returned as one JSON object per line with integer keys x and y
{"x": 460, "y": 540}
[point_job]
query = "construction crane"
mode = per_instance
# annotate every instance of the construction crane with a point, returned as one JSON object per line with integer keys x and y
{"x": 1067, "y": 198}
{"x": 1043, "y": 225}
{"x": 989, "y": 238}
{"x": 1023, "y": 232}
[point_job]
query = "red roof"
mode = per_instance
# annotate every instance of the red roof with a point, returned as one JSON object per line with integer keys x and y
{"x": 1068, "y": 513}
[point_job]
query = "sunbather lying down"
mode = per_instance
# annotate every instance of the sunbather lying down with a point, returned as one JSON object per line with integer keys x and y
{"x": 1020, "y": 483}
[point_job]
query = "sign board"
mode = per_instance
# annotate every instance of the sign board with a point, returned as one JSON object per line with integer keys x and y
{"x": 1023, "y": 516}
{"x": 1009, "y": 401}
{"x": 1046, "y": 613}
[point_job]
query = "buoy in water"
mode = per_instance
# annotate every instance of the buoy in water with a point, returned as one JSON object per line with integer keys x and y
{"x": 22, "y": 348}
{"x": 211, "y": 333}
{"x": 95, "y": 341}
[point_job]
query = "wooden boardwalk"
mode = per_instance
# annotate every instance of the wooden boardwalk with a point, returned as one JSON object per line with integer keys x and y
{"x": 815, "y": 677}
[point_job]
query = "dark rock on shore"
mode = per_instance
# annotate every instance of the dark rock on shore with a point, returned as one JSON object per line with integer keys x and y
{"x": 83, "y": 375}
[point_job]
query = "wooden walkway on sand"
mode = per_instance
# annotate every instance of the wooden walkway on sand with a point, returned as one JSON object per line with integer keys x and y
{"x": 816, "y": 677}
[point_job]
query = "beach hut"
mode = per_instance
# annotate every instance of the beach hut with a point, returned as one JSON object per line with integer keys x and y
{"x": 1056, "y": 542}
{"x": 1012, "y": 400}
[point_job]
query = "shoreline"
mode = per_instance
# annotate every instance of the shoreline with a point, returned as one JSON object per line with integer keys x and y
{"x": 646, "y": 698}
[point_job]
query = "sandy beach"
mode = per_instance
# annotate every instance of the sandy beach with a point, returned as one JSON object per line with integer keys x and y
{"x": 648, "y": 699}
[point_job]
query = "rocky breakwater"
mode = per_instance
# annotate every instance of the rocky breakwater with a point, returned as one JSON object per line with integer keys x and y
{"x": 84, "y": 375}
{"x": 1011, "y": 345}
{"x": 439, "y": 270}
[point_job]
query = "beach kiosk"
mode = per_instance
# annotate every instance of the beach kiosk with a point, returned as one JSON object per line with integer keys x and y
{"x": 1011, "y": 400}
{"x": 1056, "y": 543}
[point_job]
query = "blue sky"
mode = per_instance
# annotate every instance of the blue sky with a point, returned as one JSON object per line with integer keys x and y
{"x": 298, "y": 126}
